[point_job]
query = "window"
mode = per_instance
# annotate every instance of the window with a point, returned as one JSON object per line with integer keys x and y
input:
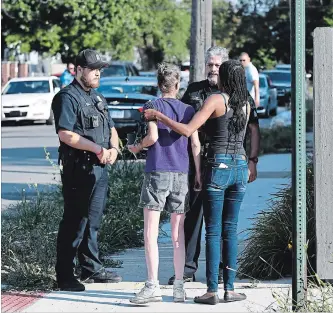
{"x": 32, "y": 86}
{"x": 124, "y": 88}
{"x": 114, "y": 70}
{"x": 262, "y": 82}
{"x": 56, "y": 83}
{"x": 279, "y": 76}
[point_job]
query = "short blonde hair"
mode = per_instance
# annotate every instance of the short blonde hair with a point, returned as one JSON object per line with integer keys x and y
{"x": 168, "y": 75}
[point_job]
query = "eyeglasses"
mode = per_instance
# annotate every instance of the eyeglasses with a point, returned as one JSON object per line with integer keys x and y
{"x": 242, "y": 60}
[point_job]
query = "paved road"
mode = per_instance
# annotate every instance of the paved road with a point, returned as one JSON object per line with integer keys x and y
{"x": 24, "y": 161}
{"x": 265, "y": 122}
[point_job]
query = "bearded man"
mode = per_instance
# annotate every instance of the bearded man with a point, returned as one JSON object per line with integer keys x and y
{"x": 88, "y": 142}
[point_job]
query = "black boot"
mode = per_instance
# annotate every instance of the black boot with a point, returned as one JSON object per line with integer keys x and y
{"x": 187, "y": 278}
{"x": 102, "y": 276}
{"x": 71, "y": 284}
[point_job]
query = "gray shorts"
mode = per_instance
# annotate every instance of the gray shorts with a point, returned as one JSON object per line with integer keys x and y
{"x": 167, "y": 190}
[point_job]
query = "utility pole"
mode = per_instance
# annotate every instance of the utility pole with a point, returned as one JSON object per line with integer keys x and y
{"x": 297, "y": 40}
{"x": 201, "y": 37}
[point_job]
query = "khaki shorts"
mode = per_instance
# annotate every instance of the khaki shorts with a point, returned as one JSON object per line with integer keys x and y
{"x": 165, "y": 190}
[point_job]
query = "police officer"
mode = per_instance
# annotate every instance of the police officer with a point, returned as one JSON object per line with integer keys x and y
{"x": 195, "y": 95}
{"x": 88, "y": 142}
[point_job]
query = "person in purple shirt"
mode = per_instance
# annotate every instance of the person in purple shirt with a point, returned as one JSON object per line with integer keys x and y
{"x": 165, "y": 184}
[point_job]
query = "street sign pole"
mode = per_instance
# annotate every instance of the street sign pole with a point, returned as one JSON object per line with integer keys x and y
{"x": 299, "y": 275}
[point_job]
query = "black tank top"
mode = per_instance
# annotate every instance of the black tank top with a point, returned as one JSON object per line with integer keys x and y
{"x": 219, "y": 139}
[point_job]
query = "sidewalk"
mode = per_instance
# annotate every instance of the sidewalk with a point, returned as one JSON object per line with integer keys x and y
{"x": 274, "y": 171}
{"x": 115, "y": 297}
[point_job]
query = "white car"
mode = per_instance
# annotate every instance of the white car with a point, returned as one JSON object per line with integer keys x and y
{"x": 29, "y": 98}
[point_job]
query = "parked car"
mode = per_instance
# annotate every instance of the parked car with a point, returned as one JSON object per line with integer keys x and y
{"x": 133, "y": 84}
{"x": 29, "y": 98}
{"x": 126, "y": 96}
{"x": 268, "y": 97}
{"x": 148, "y": 74}
{"x": 120, "y": 68}
{"x": 283, "y": 67}
{"x": 282, "y": 81}
{"x": 125, "y": 110}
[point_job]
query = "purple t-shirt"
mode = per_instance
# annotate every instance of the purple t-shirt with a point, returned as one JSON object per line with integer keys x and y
{"x": 169, "y": 153}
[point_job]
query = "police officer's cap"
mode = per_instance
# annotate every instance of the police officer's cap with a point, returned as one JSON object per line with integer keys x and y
{"x": 90, "y": 58}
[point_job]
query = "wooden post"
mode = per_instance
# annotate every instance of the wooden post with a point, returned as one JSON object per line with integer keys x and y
{"x": 201, "y": 37}
{"x": 323, "y": 149}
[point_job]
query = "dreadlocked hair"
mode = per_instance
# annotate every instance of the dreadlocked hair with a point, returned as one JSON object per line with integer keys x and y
{"x": 233, "y": 82}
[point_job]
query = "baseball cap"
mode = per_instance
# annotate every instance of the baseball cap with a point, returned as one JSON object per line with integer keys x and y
{"x": 90, "y": 58}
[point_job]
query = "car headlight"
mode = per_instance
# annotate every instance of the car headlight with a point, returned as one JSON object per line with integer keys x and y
{"x": 39, "y": 102}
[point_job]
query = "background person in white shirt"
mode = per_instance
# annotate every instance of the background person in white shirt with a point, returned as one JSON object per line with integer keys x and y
{"x": 252, "y": 77}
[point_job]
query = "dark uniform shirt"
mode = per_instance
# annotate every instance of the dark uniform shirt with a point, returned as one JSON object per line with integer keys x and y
{"x": 82, "y": 112}
{"x": 198, "y": 92}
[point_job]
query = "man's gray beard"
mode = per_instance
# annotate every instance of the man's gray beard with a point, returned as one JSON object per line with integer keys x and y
{"x": 212, "y": 83}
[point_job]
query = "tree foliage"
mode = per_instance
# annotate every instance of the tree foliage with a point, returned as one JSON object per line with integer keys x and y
{"x": 160, "y": 29}
{"x": 262, "y": 28}
{"x": 116, "y": 27}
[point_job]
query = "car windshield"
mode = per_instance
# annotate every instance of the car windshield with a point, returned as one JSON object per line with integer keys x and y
{"x": 120, "y": 88}
{"x": 279, "y": 76}
{"x": 262, "y": 82}
{"x": 34, "y": 86}
{"x": 114, "y": 70}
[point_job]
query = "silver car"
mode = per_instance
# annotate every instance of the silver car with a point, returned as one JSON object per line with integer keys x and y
{"x": 268, "y": 97}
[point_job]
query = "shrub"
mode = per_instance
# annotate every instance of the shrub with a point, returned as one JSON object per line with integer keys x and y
{"x": 29, "y": 229}
{"x": 276, "y": 140}
{"x": 268, "y": 253}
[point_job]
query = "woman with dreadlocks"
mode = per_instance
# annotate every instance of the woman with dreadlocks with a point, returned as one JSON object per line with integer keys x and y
{"x": 226, "y": 173}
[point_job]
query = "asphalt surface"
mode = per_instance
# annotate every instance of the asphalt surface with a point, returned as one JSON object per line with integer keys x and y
{"x": 25, "y": 166}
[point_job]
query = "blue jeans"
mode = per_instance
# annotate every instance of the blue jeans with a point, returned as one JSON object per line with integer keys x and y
{"x": 224, "y": 189}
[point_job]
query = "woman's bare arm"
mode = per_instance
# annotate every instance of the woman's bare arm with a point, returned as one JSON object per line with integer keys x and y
{"x": 198, "y": 119}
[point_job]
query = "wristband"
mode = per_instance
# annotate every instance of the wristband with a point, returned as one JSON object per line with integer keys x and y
{"x": 112, "y": 147}
{"x": 99, "y": 153}
{"x": 254, "y": 160}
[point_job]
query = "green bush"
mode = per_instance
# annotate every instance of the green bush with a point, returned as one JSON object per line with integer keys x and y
{"x": 268, "y": 247}
{"x": 276, "y": 140}
{"x": 29, "y": 228}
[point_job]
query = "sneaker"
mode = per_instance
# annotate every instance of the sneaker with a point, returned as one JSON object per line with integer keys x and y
{"x": 187, "y": 278}
{"x": 149, "y": 293}
{"x": 102, "y": 276}
{"x": 179, "y": 294}
{"x": 71, "y": 285}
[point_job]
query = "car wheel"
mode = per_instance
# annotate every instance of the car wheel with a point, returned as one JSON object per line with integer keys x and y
{"x": 288, "y": 103}
{"x": 273, "y": 112}
{"x": 50, "y": 120}
{"x": 266, "y": 115}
